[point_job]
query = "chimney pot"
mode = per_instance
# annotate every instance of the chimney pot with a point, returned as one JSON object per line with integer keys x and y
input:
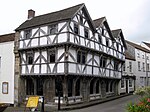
{"x": 31, "y": 14}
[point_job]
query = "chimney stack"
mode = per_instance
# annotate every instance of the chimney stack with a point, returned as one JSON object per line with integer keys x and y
{"x": 31, "y": 14}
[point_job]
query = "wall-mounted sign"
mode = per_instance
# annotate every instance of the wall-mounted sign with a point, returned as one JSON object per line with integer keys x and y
{"x": 5, "y": 87}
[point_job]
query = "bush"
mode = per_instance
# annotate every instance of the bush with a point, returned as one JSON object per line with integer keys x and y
{"x": 144, "y": 103}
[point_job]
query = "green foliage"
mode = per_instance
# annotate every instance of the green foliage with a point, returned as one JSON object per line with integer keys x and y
{"x": 144, "y": 103}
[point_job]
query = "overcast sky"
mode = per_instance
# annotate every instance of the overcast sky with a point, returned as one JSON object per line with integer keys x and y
{"x": 132, "y": 16}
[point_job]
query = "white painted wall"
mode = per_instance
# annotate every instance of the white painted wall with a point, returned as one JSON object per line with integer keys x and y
{"x": 7, "y": 71}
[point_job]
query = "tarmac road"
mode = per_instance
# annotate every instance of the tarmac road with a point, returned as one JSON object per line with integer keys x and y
{"x": 118, "y": 105}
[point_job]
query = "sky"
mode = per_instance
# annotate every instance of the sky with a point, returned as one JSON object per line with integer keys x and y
{"x": 132, "y": 16}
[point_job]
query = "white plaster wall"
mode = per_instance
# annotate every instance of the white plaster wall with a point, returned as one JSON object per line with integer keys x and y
{"x": 7, "y": 71}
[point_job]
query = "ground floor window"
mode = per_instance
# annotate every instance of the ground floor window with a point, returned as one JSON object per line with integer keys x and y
{"x": 29, "y": 87}
{"x": 92, "y": 87}
{"x": 122, "y": 83}
{"x": 58, "y": 87}
{"x": 77, "y": 88}
{"x": 107, "y": 86}
{"x": 70, "y": 87}
{"x": 97, "y": 87}
{"x": 130, "y": 82}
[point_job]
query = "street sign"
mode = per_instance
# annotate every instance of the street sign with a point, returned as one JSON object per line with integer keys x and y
{"x": 32, "y": 102}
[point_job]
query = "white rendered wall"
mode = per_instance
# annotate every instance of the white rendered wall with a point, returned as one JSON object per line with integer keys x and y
{"x": 7, "y": 71}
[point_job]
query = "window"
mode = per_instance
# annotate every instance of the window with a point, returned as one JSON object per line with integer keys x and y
{"x": 102, "y": 31}
{"x": 52, "y": 29}
{"x": 100, "y": 39}
{"x": 139, "y": 66}
{"x": 76, "y": 29}
{"x": 30, "y": 57}
{"x": 130, "y": 66}
{"x": 81, "y": 57}
{"x": 81, "y": 20}
{"x": 107, "y": 42}
{"x": 5, "y": 87}
{"x": 122, "y": 83}
{"x": 117, "y": 46}
{"x": 116, "y": 68}
{"x": 86, "y": 33}
{"x": 130, "y": 82}
{"x": 143, "y": 67}
{"x": 27, "y": 34}
{"x": 52, "y": 56}
{"x": 143, "y": 56}
{"x": 124, "y": 67}
{"x": 147, "y": 58}
{"x": 103, "y": 61}
{"x": 147, "y": 67}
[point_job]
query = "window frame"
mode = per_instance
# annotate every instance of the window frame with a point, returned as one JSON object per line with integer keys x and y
{"x": 50, "y": 55}
{"x": 80, "y": 56}
{"x": 76, "y": 29}
{"x": 27, "y": 34}
{"x": 52, "y": 29}
{"x": 30, "y": 58}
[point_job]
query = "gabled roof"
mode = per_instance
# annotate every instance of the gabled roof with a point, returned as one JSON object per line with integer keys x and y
{"x": 138, "y": 46}
{"x": 7, "y": 37}
{"x": 118, "y": 32}
{"x": 148, "y": 44}
{"x": 129, "y": 57}
{"x": 100, "y": 22}
{"x": 62, "y": 15}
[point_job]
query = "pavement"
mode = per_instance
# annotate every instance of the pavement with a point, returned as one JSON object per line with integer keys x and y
{"x": 54, "y": 108}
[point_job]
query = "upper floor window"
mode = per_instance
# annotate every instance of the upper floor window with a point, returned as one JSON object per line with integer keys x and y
{"x": 52, "y": 29}
{"x": 30, "y": 57}
{"x": 130, "y": 66}
{"x": 139, "y": 66}
{"x": 100, "y": 39}
{"x": 81, "y": 57}
{"x": 116, "y": 67}
{"x": 27, "y": 34}
{"x": 123, "y": 67}
{"x": 76, "y": 29}
{"x": 107, "y": 42}
{"x": 143, "y": 56}
{"x": 81, "y": 20}
{"x": 103, "y": 62}
{"x": 86, "y": 33}
{"x": 51, "y": 56}
{"x": 117, "y": 45}
{"x": 143, "y": 67}
{"x": 148, "y": 67}
{"x": 147, "y": 58}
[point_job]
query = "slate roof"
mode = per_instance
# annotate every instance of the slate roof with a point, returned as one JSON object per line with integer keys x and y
{"x": 128, "y": 56}
{"x": 148, "y": 44}
{"x": 115, "y": 33}
{"x": 98, "y": 22}
{"x": 7, "y": 37}
{"x": 138, "y": 46}
{"x": 64, "y": 14}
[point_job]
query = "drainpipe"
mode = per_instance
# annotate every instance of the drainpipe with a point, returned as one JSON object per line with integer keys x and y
{"x": 146, "y": 69}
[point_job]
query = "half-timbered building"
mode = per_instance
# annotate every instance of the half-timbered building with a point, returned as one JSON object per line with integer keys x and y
{"x": 66, "y": 53}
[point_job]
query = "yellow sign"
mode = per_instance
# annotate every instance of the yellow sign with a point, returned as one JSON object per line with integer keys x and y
{"x": 33, "y": 101}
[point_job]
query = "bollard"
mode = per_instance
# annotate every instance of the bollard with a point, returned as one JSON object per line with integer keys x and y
{"x": 58, "y": 100}
{"x": 42, "y": 107}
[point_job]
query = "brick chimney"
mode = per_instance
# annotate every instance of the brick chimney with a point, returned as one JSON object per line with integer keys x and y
{"x": 31, "y": 14}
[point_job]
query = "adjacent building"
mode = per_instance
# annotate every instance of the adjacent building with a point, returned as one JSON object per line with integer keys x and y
{"x": 67, "y": 53}
{"x": 7, "y": 68}
{"x": 142, "y": 63}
